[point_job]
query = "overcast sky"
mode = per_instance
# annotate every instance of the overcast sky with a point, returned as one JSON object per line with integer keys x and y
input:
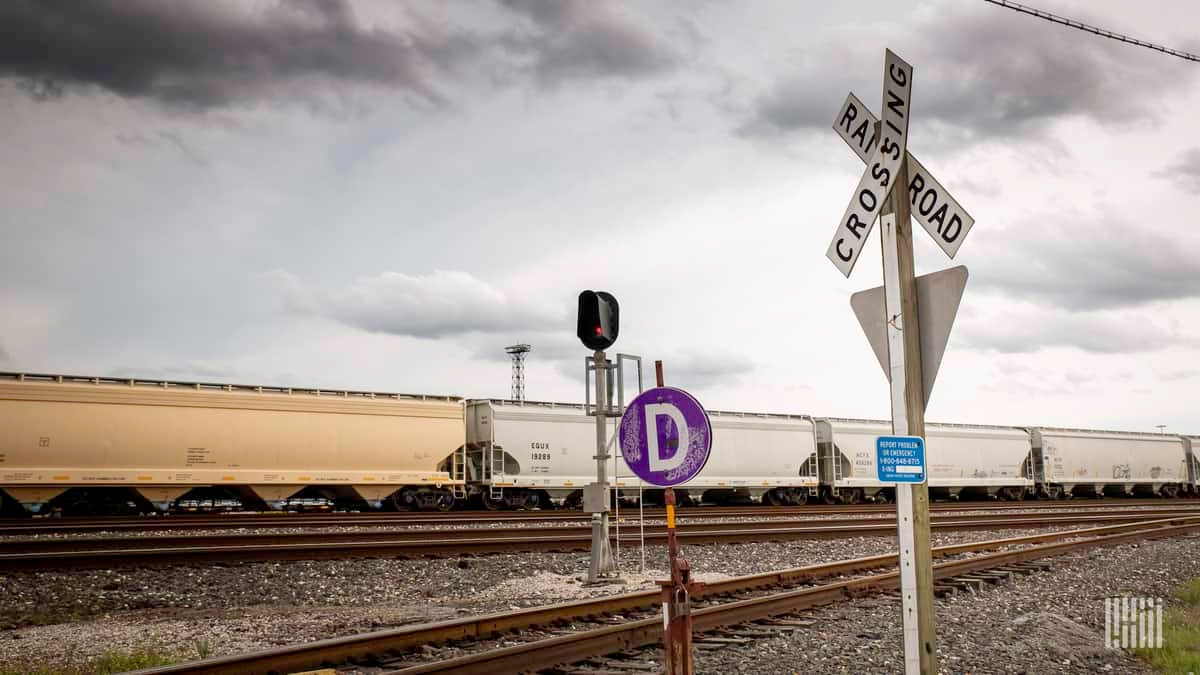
{"x": 384, "y": 195}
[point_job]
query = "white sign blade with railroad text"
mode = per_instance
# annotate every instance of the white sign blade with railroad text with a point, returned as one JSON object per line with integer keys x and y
{"x": 877, "y": 181}
{"x": 938, "y": 212}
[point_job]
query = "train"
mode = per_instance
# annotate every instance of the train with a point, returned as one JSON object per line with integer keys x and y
{"x": 529, "y": 454}
{"x": 93, "y": 445}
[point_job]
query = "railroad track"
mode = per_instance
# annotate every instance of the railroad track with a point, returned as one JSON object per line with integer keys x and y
{"x": 78, "y": 525}
{"x": 83, "y": 553}
{"x": 640, "y": 626}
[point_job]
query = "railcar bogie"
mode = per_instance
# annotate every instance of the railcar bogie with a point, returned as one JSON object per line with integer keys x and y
{"x": 785, "y": 497}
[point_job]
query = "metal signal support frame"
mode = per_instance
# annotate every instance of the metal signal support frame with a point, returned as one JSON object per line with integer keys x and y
{"x": 608, "y": 377}
{"x": 596, "y": 495}
{"x": 614, "y": 374}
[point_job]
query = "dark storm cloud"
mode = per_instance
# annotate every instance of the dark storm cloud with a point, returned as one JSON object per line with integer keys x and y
{"x": 441, "y": 304}
{"x": 1078, "y": 263}
{"x": 585, "y": 39}
{"x": 210, "y": 54}
{"x": 1185, "y": 171}
{"x": 982, "y": 74}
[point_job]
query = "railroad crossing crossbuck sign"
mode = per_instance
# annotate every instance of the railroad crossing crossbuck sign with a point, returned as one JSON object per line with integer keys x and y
{"x": 666, "y": 436}
{"x": 883, "y": 147}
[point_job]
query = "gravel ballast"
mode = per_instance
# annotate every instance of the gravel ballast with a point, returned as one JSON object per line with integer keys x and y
{"x": 66, "y": 619}
{"x": 1050, "y": 621}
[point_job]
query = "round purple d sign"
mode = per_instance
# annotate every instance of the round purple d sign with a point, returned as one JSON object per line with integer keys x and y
{"x": 665, "y": 436}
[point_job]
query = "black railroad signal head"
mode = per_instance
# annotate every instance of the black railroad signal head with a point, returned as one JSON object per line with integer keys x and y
{"x": 599, "y": 320}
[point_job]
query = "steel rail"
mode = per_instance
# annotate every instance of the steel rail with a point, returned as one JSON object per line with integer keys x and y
{"x": 248, "y": 539}
{"x": 359, "y": 647}
{"x": 70, "y": 525}
{"x": 163, "y": 551}
{"x": 547, "y": 653}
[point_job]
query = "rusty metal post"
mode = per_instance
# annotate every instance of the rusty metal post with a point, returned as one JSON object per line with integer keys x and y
{"x": 677, "y": 592}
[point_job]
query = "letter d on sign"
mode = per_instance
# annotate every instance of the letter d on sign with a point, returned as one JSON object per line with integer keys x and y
{"x": 642, "y": 437}
{"x": 657, "y": 462}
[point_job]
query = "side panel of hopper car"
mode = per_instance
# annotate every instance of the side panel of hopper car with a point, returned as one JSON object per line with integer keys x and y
{"x": 77, "y": 435}
{"x": 955, "y": 456}
{"x": 1097, "y": 458}
{"x": 552, "y": 448}
{"x": 544, "y": 447}
{"x": 978, "y": 456}
{"x": 756, "y": 452}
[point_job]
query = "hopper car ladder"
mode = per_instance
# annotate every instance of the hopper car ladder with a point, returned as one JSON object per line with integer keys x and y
{"x": 833, "y": 461}
{"x": 495, "y": 464}
{"x": 458, "y": 472}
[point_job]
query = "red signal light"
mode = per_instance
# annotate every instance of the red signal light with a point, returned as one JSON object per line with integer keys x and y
{"x": 598, "y": 320}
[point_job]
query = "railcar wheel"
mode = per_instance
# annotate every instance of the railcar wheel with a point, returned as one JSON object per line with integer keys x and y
{"x": 493, "y": 504}
{"x": 403, "y": 500}
{"x": 882, "y": 497}
{"x": 797, "y": 497}
{"x": 532, "y": 500}
{"x": 769, "y": 498}
{"x": 445, "y": 502}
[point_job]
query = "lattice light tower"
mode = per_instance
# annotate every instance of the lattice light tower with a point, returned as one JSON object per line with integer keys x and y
{"x": 518, "y": 353}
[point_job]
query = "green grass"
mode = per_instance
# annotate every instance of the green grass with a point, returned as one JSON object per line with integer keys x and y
{"x": 1180, "y": 652}
{"x": 119, "y": 663}
{"x": 106, "y": 664}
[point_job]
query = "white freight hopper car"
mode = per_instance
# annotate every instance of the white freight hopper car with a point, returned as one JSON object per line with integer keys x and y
{"x": 526, "y": 454}
{"x": 981, "y": 460}
{"x": 1085, "y": 463}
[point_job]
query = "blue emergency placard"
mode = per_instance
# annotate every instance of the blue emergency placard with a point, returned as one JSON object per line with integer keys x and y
{"x": 900, "y": 459}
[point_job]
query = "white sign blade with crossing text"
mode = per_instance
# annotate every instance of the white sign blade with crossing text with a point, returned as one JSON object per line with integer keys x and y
{"x": 932, "y": 205}
{"x": 877, "y": 181}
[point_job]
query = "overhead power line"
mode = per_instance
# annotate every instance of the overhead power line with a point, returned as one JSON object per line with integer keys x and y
{"x": 1094, "y": 30}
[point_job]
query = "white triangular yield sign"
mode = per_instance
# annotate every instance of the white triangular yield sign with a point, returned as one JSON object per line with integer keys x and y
{"x": 938, "y": 295}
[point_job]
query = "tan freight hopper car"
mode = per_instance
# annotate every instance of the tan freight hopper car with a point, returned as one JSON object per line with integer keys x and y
{"x": 103, "y": 444}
